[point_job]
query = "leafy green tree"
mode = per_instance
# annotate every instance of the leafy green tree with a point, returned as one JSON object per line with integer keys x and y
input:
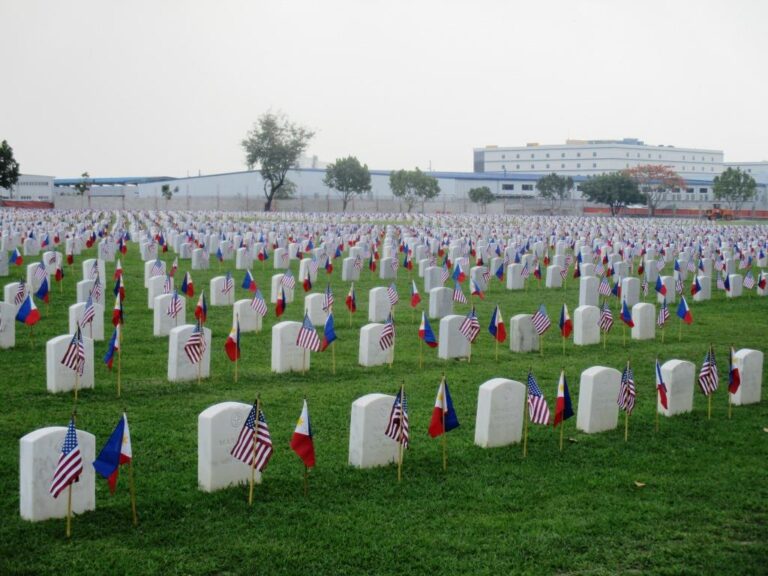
{"x": 84, "y": 186}
{"x": 734, "y": 187}
{"x": 482, "y": 196}
{"x": 615, "y": 189}
{"x": 167, "y": 192}
{"x": 413, "y": 186}
{"x": 275, "y": 144}
{"x": 348, "y": 177}
{"x": 554, "y": 188}
{"x": 653, "y": 181}
{"x": 9, "y": 168}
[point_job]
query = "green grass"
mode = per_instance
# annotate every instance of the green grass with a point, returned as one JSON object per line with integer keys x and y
{"x": 704, "y": 509}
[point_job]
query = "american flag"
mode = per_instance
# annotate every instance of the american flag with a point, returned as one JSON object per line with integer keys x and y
{"x": 660, "y": 263}
{"x": 307, "y": 337}
{"x": 258, "y": 304}
{"x": 749, "y": 280}
{"x": 444, "y": 274}
{"x": 358, "y": 263}
{"x": 626, "y": 399}
{"x": 195, "y": 346}
{"x": 397, "y": 426}
{"x": 168, "y": 284}
{"x": 70, "y": 464}
{"x": 644, "y": 286}
{"x": 387, "y": 337}
{"x": 74, "y": 356}
{"x": 690, "y": 266}
{"x": 313, "y": 265}
{"x": 394, "y": 264}
{"x": 663, "y": 314}
{"x": 486, "y": 276}
{"x": 606, "y": 318}
{"x": 470, "y": 326}
{"x": 599, "y": 268}
{"x": 94, "y": 270}
{"x": 525, "y": 272}
{"x": 244, "y": 450}
{"x": 458, "y": 294}
{"x": 540, "y": 320}
{"x": 720, "y": 282}
{"x": 21, "y": 293}
{"x": 89, "y": 312}
{"x": 97, "y": 292}
{"x": 328, "y": 298}
{"x": 40, "y": 271}
{"x": 708, "y": 379}
{"x": 605, "y": 287}
{"x": 229, "y": 284}
{"x": 538, "y": 411}
{"x": 175, "y": 305}
{"x": 157, "y": 268}
{"x": 563, "y": 272}
{"x": 288, "y": 279}
{"x": 392, "y": 294}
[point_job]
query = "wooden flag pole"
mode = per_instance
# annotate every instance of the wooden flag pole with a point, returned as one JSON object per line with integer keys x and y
{"x": 497, "y": 348}
{"x": 605, "y": 334}
{"x": 69, "y": 510}
{"x": 400, "y": 437}
{"x": 444, "y": 439}
{"x": 624, "y": 334}
{"x": 306, "y": 481}
{"x": 77, "y": 384}
{"x": 469, "y": 354}
{"x": 253, "y": 453}
{"x": 680, "y": 331}
{"x": 662, "y": 332}
{"x": 709, "y": 406}
{"x": 304, "y": 361}
{"x": 626, "y": 425}
{"x": 563, "y": 345}
{"x": 525, "y": 429}
{"x": 730, "y": 406}
{"x": 421, "y": 354}
{"x": 132, "y": 490}
{"x": 333, "y": 357}
{"x": 350, "y": 317}
{"x": 562, "y": 427}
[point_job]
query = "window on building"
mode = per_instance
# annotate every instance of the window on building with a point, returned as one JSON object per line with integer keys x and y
{"x": 503, "y": 156}
{"x": 547, "y": 164}
{"x": 547, "y": 154}
{"x": 627, "y": 166}
{"x": 594, "y": 164}
{"x": 562, "y": 154}
{"x": 533, "y": 155}
{"x": 627, "y": 154}
{"x": 507, "y": 186}
{"x": 578, "y": 165}
{"x": 578, "y": 154}
{"x": 562, "y": 165}
{"x": 532, "y": 166}
{"x": 517, "y": 155}
{"x": 528, "y": 187}
{"x": 704, "y": 197}
{"x": 578, "y": 187}
{"x": 594, "y": 154}
{"x": 517, "y": 166}
{"x": 702, "y": 190}
{"x": 689, "y": 190}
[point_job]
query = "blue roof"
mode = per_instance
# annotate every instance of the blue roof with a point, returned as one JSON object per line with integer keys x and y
{"x": 114, "y": 181}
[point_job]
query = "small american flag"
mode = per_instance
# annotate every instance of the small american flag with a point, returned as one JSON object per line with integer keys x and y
{"x": 229, "y": 284}
{"x": 599, "y": 268}
{"x": 328, "y": 298}
{"x": 663, "y": 314}
{"x": 392, "y": 294}
{"x": 708, "y": 380}
{"x": 89, "y": 313}
{"x": 40, "y": 272}
{"x": 175, "y": 305}
{"x": 563, "y": 272}
{"x": 540, "y": 320}
{"x": 168, "y": 284}
{"x": 458, "y": 294}
{"x": 626, "y": 399}
{"x": 678, "y": 285}
{"x": 313, "y": 266}
{"x": 525, "y": 272}
{"x": 720, "y": 282}
{"x": 244, "y": 450}
{"x": 538, "y": 411}
{"x": 94, "y": 273}
{"x": 157, "y": 268}
{"x": 288, "y": 279}
{"x": 358, "y": 263}
{"x": 70, "y": 464}
{"x": 397, "y": 426}
{"x": 470, "y": 326}
{"x": 394, "y": 264}
{"x": 690, "y": 266}
{"x": 387, "y": 337}
{"x": 644, "y": 286}
{"x": 258, "y": 304}
{"x": 307, "y": 337}
{"x": 605, "y": 287}
{"x": 195, "y": 346}
{"x": 606, "y": 318}
{"x": 486, "y": 276}
{"x": 749, "y": 280}
{"x": 444, "y": 274}
{"x": 21, "y": 293}
{"x": 660, "y": 263}
{"x": 74, "y": 356}
{"x": 97, "y": 292}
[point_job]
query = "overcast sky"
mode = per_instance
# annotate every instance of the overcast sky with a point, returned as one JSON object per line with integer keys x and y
{"x": 170, "y": 87}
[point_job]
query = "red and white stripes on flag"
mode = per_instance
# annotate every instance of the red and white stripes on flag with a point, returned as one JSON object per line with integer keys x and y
{"x": 168, "y": 284}
{"x": 708, "y": 378}
{"x": 288, "y": 279}
{"x": 538, "y": 411}
{"x": 458, "y": 294}
{"x": 40, "y": 272}
{"x": 229, "y": 284}
{"x": 397, "y": 426}
{"x": 605, "y": 323}
{"x": 70, "y": 464}
{"x": 387, "y": 337}
{"x": 244, "y": 450}
{"x": 97, "y": 292}
{"x": 175, "y": 305}
{"x": 470, "y": 326}
{"x": 394, "y": 298}
{"x": 156, "y": 270}
{"x": 258, "y": 304}
{"x": 89, "y": 312}
{"x": 74, "y": 356}
{"x": 328, "y": 298}
{"x": 626, "y": 399}
{"x": 307, "y": 337}
{"x": 21, "y": 293}
{"x": 540, "y": 320}
{"x": 195, "y": 345}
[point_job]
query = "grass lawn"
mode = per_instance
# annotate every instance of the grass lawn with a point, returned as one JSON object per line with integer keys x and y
{"x": 703, "y": 509}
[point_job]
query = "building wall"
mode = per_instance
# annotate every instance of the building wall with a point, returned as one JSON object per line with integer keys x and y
{"x": 30, "y": 187}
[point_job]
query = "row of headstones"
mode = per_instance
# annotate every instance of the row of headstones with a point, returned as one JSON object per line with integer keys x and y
{"x": 499, "y": 421}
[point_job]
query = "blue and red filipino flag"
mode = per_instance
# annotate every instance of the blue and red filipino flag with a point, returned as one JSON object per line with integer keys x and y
{"x": 661, "y": 387}
{"x": 301, "y": 441}
{"x": 660, "y": 288}
{"x": 458, "y": 273}
{"x": 117, "y": 311}
{"x": 219, "y": 254}
{"x": 187, "y": 286}
{"x": 425, "y": 331}
{"x": 59, "y": 276}
{"x": 116, "y": 451}
{"x": 695, "y": 286}
{"x": 28, "y": 312}
{"x": 280, "y": 304}
{"x": 563, "y": 406}
{"x": 415, "y": 297}
{"x": 248, "y": 282}
{"x": 42, "y": 292}
{"x": 232, "y": 344}
{"x": 112, "y": 347}
{"x": 566, "y": 325}
{"x": 626, "y": 315}
{"x": 201, "y": 310}
{"x": 328, "y": 266}
{"x": 351, "y": 301}
{"x": 444, "y": 417}
{"x": 496, "y": 327}
{"x": 683, "y": 312}
{"x": 329, "y": 333}
{"x": 734, "y": 378}
{"x": 16, "y": 257}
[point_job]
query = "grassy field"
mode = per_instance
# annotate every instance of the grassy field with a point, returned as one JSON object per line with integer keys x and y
{"x": 703, "y": 509}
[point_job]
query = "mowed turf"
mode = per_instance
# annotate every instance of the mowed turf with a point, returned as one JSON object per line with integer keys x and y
{"x": 703, "y": 508}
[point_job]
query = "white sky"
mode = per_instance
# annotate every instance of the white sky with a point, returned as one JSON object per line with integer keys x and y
{"x": 170, "y": 87}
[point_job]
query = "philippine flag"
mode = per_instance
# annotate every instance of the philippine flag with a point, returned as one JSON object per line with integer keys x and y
{"x": 563, "y": 406}
{"x": 425, "y": 331}
{"x": 116, "y": 451}
{"x": 28, "y": 312}
{"x": 626, "y": 315}
{"x": 232, "y": 344}
{"x": 496, "y": 327}
{"x": 113, "y": 347}
{"x": 683, "y": 312}
{"x": 415, "y": 297}
{"x": 16, "y": 258}
{"x": 280, "y": 305}
{"x": 329, "y": 333}
{"x": 661, "y": 387}
{"x": 734, "y": 378}
{"x": 248, "y": 282}
{"x": 660, "y": 288}
{"x": 187, "y": 286}
{"x": 351, "y": 302}
{"x": 443, "y": 415}
{"x": 301, "y": 441}
{"x": 566, "y": 326}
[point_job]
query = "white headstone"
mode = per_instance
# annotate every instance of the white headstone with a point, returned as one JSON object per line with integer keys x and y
{"x": 51, "y": 259}
{"x": 585, "y": 328}
{"x": 379, "y": 306}
{"x": 3, "y": 262}
{"x": 554, "y": 280}
{"x": 33, "y": 282}
{"x": 348, "y": 271}
{"x": 7, "y": 325}
{"x": 39, "y": 455}
{"x": 277, "y": 284}
{"x": 155, "y": 288}
{"x": 588, "y": 294}
{"x": 369, "y": 350}
{"x": 678, "y": 378}
{"x": 200, "y": 259}
{"x": 476, "y": 274}
{"x": 243, "y": 259}
{"x": 368, "y": 445}
{"x": 440, "y": 302}
{"x": 31, "y": 247}
{"x": 515, "y": 280}
{"x": 598, "y": 392}
{"x": 644, "y": 318}
{"x": 185, "y": 251}
{"x": 95, "y": 328}
{"x": 452, "y": 343}
{"x": 305, "y": 269}
{"x": 218, "y": 297}
{"x": 180, "y": 367}
{"x": 736, "y": 281}
{"x": 286, "y": 355}
{"x": 522, "y": 335}
{"x": 432, "y": 278}
{"x": 9, "y": 294}
{"x": 280, "y": 258}
{"x": 500, "y": 413}
{"x": 587, "y": 269}
{"x": 162, "y": 323}
{"x": 630, "y": 291}
{"x": 100, "y": 267}
{"x": 218, "y": 428}
{"x": 59, "y": 378}
{"x": 750, "y": 366}
{"x": 160, "y": 271}
{"x": 387, "y": 268}
{"x": 83, "y": 289}
{"x": 706, "y": 289}
{"x": 313, "y": 305}
{"x": 250, "y": 320}
{"x": 669, "y": 283}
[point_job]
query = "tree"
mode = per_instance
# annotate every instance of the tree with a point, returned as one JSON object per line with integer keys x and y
{"x": 413, "y": 186}
{"x": 554, "y": 188}
{"x": 275, "y": 144}
{"x": 653, "y": 181}
{"x": 9, "y": 168}
{"x": 615, "y": 189}
{"x": 167, "y": 192}
{"x": 347, "y": 176}
{"x": 84, "y": 186}
{"x": 482, "y": 196}
{"x": 734, "y": 187}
